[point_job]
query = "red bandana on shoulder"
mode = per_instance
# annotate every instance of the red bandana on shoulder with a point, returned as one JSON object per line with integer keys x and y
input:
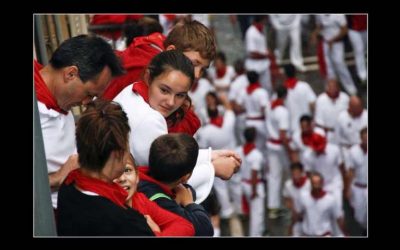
{"x": 291, "y": 82}
{"x": 276, "y": 103}
{"x": 248, "y": 147}
{"x": 111, "y": 191}
{"x": 252, "y": 87}
{"x": 43, "y": 93}
{"x": 217, "y": 121}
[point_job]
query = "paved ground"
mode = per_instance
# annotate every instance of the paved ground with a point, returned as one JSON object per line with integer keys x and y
{"x": 229, "y": 41}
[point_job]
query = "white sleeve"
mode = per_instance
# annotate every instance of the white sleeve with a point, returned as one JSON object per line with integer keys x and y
{"x": 202, "y": 178}
{"x": 307, "y": 160}
{"x": 263, "y": 98}
{"x": 229, "y": 119}
{"x": 202, "y": 137}
{"x": 251, "y": 44}
{"x": 143, "y": 135}
{"x": 311, "y": 97}
{"x": 318, "y": 112}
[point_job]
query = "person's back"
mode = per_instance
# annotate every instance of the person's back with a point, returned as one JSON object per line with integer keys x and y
{"x": 93, "y": 215}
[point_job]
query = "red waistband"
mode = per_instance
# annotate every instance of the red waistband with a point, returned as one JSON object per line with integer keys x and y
{"x": 256, "y": 118}
{"x": 249, "y": 181}
{"x": 277, "y": 141}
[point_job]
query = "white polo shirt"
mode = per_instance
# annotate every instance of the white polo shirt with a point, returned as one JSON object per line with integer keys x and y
{"x": 298, "y": 102}
{"x": 328, "y": 110}
{"x": 255, "y": 41}
{"x": 359, "y": 162}
{"x": 348, "y": 129}
{"x": 318, "y": 214}
{"x": 252, "y": 161}
{"x": 148, "y": 124}
{"x": 331, "y": 24}
{"x": 218, "y": 137}
{"x": 278, "y": 119}
{"x": 58, "y": 132}
{"x": 254, "y": 102}
{"x": 238, "y": 86}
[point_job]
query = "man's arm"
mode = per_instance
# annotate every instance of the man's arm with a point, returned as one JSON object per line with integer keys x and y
{"x": 57, "y": 178}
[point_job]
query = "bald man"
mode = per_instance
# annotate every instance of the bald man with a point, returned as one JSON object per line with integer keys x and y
{"x": 348, "y": 126}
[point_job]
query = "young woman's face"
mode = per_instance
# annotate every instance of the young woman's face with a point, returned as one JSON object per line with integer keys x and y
{"x": 129, "y": 179}
{"x": 168, "y": 91}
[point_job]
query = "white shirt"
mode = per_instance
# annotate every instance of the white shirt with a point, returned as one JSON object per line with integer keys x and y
{"x": 251, "y": 161}
{"x": 256, "y": 42}
{"x": 326, "y": 164}
{"x": 298, "y": 102}
{"x": 318, "y": 214}
{"x": 254, "y": 103}
{"x": 148, "y": 124}
{"x": 297, "y": 144}
{"x": 224, "y": 81}
{"x": 278, "y": 119}
{"x": 58, "y": 132}
{"x": 218, "y": 137}
{"x": 359, "y": 162}
{"x": 348, "y": 129}
{"x": 238, "y": 86}
{"x": 331, "y": 24}
{"x": 199, "y": 95}
{"x": 294, "y": 193}
{"x": 285, "y": 21}
{"x": 327, "y": 110}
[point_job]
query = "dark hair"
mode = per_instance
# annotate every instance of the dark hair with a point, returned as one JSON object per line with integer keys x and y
{"x": 315, "y": 173}
{"x": 142, "y": 27}
{"x": 173, "y": 60}
{"x": 259, "y": 18}
{"x": 102, "y": 129}
{"x": 239, "y": 66}
{"x": 250, "y": 134}
{"x": 306, "y": 118}
{"x": 290, "y": 70}
{"x": 192, "y": 35}
{"x": 212, "y": 113}
{"x": 221, "y": 55}
{"x": 172, "y": 156}
{"x": 89, "y": 53}
{"x": 252, "y": 76}
{"x": 296, "y": 165}
{"x": 281, "y": 91}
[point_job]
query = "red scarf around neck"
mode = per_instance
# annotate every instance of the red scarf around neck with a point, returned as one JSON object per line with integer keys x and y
{"x": 318, "y": 194}
{"x": 143, "y": 175}
{"x": 221, "y": 72}
{"x": 277, "y": 102}
{"x": 306, "y": 138}
{"x": 248, "y": 147}
{"x": 217, "y": 121}
{"x": 252, "y": 87}
{"x": 291, "y": 82}
{"x": 43, "y": 93}
{"x": 111, "y": 191}
{"x": 301, "y": 182}
{"x": 142, "y": 89}
{"x": 259, "y": 26}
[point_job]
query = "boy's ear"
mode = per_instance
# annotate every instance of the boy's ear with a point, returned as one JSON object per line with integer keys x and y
{"x": 185, "y": 178}
{"x": 170, "y": 47}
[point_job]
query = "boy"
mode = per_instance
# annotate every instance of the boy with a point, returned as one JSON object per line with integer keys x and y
{"x": 171, "y": 162}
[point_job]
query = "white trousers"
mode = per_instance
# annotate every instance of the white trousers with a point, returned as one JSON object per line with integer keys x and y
{"x": 257, "y": 209}
{"x": 359, "y": 202}
{"x": 358, "y": 41}
{"x": 295, "y": 51}
{"x": 277, "y": 162}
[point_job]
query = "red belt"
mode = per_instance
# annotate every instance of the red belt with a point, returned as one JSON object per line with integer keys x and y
{"x": 277, "y": 141}
{"x": 249, "y": 181}
{"x": 360, "y": 185}
{"x": 256, "y": 118}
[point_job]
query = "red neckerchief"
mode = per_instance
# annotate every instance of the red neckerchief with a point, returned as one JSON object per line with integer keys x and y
{"x": 143, "y": 170}
{"x": 259, "y": 26}
{"x": 43, "y": 93}
{"x": 217, "y": 121}
{"x": 291, "y": 82}
{"x": 252, "y": 87}
{"x": 170, "y": 17}
{"x": 300, "y": 183}
{"x": 111, "y": 191}
{"x": 248, "y": 147}
{"x": 318, "y": 143}
{"x": 221, "y": 72}
{"x": 142, "y": 89}
{"x": 318, "y": 195}
{"x": 364, "y": 149}
{"x": 333, "y": 97}
{"x": 277, "y": 102}
{"x": 306, "y": 138}
{"x": 189, "y": 125}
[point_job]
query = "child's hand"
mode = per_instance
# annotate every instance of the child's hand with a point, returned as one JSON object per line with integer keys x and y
{"x": 183, "y": 196}
{"x": 154, "y": 227}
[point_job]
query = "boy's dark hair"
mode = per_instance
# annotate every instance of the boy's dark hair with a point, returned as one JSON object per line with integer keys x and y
{"x": 290, "y": 70}
{"x": 250, "y": 134}
{"x": 252, "y": 76}
{"x": 212, "y": 113}
{"x": 221, "y": 56}
{"x": 102, "y": 129}
{"x": 239, "y": 66}
{"x": 89, "y": 53}
{"x": 306, "y": 118}
{"x": 172, "y": 156}
{"x": 296, "y": 165}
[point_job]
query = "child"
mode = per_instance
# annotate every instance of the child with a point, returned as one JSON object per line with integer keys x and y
{"x": 171, "y": 163}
